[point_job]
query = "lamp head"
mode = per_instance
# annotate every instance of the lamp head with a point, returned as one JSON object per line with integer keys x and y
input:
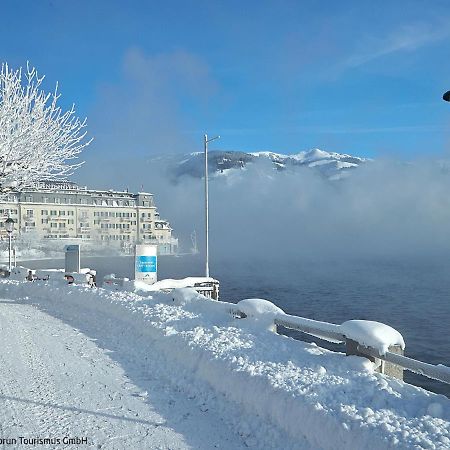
{"x": 9, "y": 225}
{"x": 446, "y": 96}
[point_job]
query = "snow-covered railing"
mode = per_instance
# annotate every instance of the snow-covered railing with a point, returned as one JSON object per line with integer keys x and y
{"x": 206, "y": 286}
{"x": 436, "y": 372}
{"x": 376, "y": 341}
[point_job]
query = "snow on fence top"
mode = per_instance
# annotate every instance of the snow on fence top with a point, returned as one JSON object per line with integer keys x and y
{"x": 257, "y": 307}
{"x": 272, "y": 390}
{"x": 373, "y": 334}
{"x": 173, "y": 284}
{"x": 368, "y": 333}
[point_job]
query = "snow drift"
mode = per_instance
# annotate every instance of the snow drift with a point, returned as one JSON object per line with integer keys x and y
{"x": 272, "y": 390}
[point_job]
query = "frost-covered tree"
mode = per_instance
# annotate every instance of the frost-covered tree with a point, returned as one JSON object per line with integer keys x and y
{"x": 38, "y": 140}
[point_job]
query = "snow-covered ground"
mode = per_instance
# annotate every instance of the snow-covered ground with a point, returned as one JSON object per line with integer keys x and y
{"x": 178, "y": 371}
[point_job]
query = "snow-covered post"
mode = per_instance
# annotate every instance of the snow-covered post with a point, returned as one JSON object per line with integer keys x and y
{"x": 260, "y": 310}
{"x": 377, "y": 338}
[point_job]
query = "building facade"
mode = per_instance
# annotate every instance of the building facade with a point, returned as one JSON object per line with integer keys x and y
{"x": 65, "y": 211}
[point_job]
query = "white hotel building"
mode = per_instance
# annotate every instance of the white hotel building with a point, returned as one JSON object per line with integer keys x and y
{"x": 65, "y": 211}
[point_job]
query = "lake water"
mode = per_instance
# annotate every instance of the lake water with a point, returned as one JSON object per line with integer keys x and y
{"x": 411, "y": 296}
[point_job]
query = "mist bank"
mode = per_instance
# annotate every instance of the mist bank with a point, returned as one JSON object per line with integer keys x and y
{"x": 385, "y": 208}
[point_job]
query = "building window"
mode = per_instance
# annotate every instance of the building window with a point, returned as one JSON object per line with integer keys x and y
{"x": 53, "y": 213}
{"x": 44, "y": 212}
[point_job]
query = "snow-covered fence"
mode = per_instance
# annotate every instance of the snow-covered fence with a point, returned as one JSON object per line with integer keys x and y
{"x": 376, "y": 341}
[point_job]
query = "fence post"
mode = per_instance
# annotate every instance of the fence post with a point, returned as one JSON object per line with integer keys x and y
{"x": 390, "y": 369}
{"x": 387, "y": 368}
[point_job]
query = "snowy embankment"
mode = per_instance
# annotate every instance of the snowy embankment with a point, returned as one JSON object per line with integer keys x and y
{"x": 271, "y": 390}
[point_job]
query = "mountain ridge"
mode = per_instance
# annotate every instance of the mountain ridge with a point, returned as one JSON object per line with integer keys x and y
{"x": 331, "y": 165}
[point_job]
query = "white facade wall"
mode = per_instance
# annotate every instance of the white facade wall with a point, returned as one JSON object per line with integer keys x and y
{"x": 68, "y": 211}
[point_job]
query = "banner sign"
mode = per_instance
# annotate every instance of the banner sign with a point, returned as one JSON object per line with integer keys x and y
{"x": 146, "y": 263}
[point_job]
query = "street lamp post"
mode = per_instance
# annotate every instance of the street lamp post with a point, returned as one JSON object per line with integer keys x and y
{"x": 9, "y": 225}
{"x": 206, "y": 141}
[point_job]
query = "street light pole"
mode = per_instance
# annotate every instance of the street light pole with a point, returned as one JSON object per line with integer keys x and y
{"x": 9, "y": 225}
{"x": 206, "y": 141}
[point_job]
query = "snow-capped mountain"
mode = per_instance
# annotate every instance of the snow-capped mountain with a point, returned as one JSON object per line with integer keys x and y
{"x": 329, "y": 164}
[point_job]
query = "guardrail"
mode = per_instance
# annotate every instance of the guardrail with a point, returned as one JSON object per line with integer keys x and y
{"x": 390, "y": 361}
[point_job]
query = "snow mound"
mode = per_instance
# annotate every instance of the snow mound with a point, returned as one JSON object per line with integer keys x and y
{"x": 169, "y": 283}
{"x": 373, "y": 334}
{"x": 254, "y": 307}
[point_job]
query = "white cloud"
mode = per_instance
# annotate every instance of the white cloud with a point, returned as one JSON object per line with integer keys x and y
{"x": 404, "y": 39}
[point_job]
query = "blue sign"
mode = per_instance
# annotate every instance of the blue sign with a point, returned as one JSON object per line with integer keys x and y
{"x": 146, "y": 264}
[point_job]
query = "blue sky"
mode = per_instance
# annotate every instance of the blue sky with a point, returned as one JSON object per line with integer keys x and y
{"x": 360, "y": 77}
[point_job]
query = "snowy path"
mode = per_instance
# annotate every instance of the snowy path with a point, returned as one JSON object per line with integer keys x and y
{"x": 56, "y": 382}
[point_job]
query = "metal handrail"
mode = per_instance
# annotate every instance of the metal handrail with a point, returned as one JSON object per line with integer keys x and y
{"x": 323, "y": 330}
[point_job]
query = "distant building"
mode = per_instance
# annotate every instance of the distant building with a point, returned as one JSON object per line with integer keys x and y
{"x": 58, "y": 210}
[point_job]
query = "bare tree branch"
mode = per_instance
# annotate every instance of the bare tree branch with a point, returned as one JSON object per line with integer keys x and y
{"x": 37, "y": 139}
